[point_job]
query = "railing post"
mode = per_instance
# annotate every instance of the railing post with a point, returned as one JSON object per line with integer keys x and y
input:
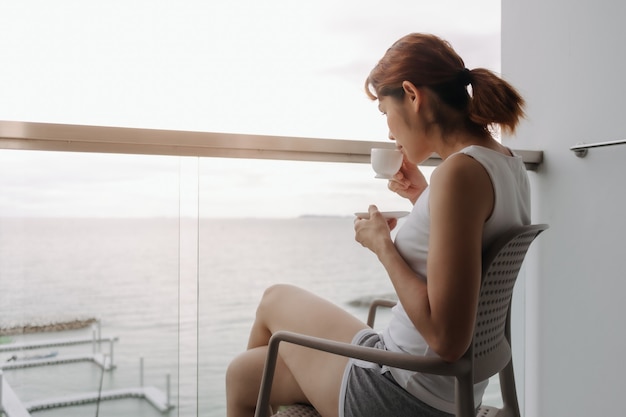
{"x": 1, "y": 383}
{"x": 99, "y": 327}
{"x": 93, "y": 340}
{"x": 167, "y": 390}
{"x": 111, "y": 352}
{"x": 141, "y": 372}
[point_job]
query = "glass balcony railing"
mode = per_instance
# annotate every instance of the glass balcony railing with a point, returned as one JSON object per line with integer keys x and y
{"x": 162, "y": 243}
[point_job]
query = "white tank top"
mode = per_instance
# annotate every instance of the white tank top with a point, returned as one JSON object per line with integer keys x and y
{"x": 511, "y": 208}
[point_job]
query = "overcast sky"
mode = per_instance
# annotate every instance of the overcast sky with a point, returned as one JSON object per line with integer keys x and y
{"x": 275, "y": 67}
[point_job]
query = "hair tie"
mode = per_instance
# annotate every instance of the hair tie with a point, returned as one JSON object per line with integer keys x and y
{"x": 464, "y": 77}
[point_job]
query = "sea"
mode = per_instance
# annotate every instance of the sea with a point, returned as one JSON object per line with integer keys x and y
{"x": 179, "y": 294}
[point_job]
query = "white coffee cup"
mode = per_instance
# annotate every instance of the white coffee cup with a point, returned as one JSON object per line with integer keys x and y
{"x": 386, "y": 162}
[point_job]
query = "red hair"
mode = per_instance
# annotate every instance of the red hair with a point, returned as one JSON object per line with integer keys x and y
{"x": 430, "y": 62}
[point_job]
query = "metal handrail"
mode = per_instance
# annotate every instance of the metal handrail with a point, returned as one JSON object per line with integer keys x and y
{"x": 581, "y": 149}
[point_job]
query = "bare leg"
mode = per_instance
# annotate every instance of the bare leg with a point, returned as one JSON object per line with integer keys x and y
{"x": 243, "y": 380}
{"x": 302, "y": 375}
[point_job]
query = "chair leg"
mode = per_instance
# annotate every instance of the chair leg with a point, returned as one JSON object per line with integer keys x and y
{"x": 465, "y": 396}
{"x": 509, "y": 391}
{"x": 263, "y": 408}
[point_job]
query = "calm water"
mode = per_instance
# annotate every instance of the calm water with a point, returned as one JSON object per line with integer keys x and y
{"x": 181, "y": 295}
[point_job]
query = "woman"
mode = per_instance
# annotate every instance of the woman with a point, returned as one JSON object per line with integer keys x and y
{"x": 477, "y": 192}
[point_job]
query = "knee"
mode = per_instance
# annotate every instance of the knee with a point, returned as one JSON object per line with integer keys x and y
{"x": 275, "y": 292}
{"x": 273, "y": 295}
{"x": 235, "y": 372}
{"x": 241, "y": 374}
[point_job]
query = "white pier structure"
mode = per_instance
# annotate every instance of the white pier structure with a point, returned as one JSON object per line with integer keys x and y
{"x": 151, "y": 394}
{"x": 95, "y": 357}
{"x": 12, "y": 406}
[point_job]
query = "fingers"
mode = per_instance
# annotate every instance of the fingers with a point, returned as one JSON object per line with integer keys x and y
{"x": 398, "y": 184}
{"x": 362, "y": 222}
{"x": 359, "y": 223}
{"x": 371, "y": 210}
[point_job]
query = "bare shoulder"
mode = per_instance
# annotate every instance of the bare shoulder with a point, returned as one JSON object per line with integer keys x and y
{"x": 462, "y": 182}
{"x": 461, "y": 169}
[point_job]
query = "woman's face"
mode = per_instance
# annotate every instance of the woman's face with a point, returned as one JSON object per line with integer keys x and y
{"x": 402, "y": 121}
{"x": 391, "y": 108}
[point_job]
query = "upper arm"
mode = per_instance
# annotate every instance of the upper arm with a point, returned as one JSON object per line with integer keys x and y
{"x": 461, "y": 200}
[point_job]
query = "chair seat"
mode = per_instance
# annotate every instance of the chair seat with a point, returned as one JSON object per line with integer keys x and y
{"x": 298, "y": 410}
{"x": 301, "y": 410}
{"x": 487, "y": 412}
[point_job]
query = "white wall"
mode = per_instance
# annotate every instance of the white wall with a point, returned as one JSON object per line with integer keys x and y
{"x": 568, "y": 59}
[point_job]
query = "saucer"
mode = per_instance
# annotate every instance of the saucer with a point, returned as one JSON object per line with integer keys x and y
{"x": 386, "y": 214}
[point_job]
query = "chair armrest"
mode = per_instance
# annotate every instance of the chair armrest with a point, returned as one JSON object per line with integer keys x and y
{"x": 407, "y": 361}
{"x": 429, "y": 365}
{"x": 378, "y": 302}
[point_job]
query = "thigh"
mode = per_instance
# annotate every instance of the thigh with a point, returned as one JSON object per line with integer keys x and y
{"x": 318, "y": 374}
{"x": 291, "y": 308}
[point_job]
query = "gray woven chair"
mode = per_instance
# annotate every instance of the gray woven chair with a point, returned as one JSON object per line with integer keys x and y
{"x": 488, "y": 354}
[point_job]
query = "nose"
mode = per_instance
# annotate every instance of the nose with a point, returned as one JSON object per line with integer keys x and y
{"x": 390, "y": 136}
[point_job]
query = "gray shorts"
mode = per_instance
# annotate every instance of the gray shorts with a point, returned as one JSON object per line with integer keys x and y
{"x": 369, "y": 390}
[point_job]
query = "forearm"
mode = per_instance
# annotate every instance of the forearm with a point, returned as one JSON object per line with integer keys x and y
{"x": 440, "y": 330}
{"x": 411, "y": 289}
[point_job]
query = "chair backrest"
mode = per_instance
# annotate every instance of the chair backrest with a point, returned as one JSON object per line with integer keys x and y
{"x": 490, "y": 350}
{"x": 502, "y": 261}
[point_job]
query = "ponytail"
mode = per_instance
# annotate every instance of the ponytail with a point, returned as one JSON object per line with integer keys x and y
{"x": 494, "y": 101}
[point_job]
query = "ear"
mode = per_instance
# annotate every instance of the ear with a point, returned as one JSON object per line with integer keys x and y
{"x": 413, "y": 94}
